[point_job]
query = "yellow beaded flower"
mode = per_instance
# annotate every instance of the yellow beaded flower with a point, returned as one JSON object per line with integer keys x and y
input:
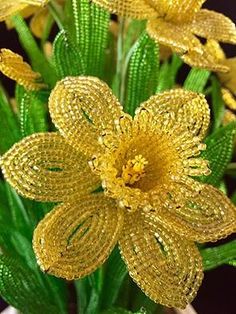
{"x": 37, "y": 10}
{"x": 150, "y": 204}
{"x": 13, "y": 66}
{"x": 11, "y": 7}
{"x": 227, "y": 80}
{"x": 178, "y": 24}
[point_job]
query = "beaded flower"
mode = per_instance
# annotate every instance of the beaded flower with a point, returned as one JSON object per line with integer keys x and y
{"x": 13, "y": 66}
{"x": 227, "y": 80}
{"x": 36, "y": 10}
{"x": 178, "y": 24}
{"x": 123, "y": 180}
{"x": 11, "y": 7}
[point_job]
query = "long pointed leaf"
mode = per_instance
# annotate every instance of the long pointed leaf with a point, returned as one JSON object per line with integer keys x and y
{"x": 219, "y": 153}
{"x": 142, "y": 73}
{"x": 19, "y": 287}
{"x": 9, "y": 126}
{"x": 219, "y": 255}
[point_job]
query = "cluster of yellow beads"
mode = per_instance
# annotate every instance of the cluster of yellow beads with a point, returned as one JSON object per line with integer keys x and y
{"x": 134, "y": 170}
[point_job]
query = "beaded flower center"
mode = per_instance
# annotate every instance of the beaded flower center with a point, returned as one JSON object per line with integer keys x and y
{"x": 134, "y": 170}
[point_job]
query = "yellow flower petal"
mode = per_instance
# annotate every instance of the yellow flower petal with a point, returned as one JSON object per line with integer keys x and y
{"x": 204, "y": 61}
{"x": 175, "y": 36}
{"x": 177, "y": 10}
{"x": 179, "y": 109}
{"x": 76, "y": 238}
{"x": 39, "y": 3}
{"x": 205, "y": 216}
{"x": 81, "y": 108}
{"x": 229, "y": 116}
{"x": 13, "y": 66}
{"x": 45, "y": 168}
{"x": 12, "y": 7}
{"x": 38, "y": 22}
{"x": 213, "y": 25}
{"x": 228, "y": 98}
{"x": 229, "y": 79}
{"x": 165, "y": 266}
{"x": 213, "y": 48}
{"x": 25, "y": 13}
{"x": 138, "y": 9}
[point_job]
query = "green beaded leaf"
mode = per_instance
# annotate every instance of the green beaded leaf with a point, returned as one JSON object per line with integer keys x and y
{"x": 33, "y": 113}
{"x": 18, "y": 218}
{"x": 168, "y": 73}
{"x": 115, "y": 272}
{"x": 110, "y": 65}
{"x": 9, "y": 126}
{"x": 38, "y": 61}
{"x": 89, "y": 28}
{"x": 219, "y": 153}
{"x": 20, "y": 287}
{"x": 163, "y": 78}
{"x": 142, "y": 73}
{"x": 232, "y": 262}
{"x": 133, "y": 30}
{"x": 88, "y": 291}
{"x": 19, "y": 215}
{"x": 6, "y": 244}
{"x": 67, "y": 57}
{"x": 197, "y": 80}
{"x": 13, "y": 243}
{"x": 4, "y": 211}
{"x": 219, "y": 255}
{"x": 218, "y": 107}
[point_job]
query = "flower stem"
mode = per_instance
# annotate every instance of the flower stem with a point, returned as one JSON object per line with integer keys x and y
{"x": 39, "y": 61}
{"x": 56, "y": 14}
{"x": 119, "y": 64}
{"x": 125, "y": 69}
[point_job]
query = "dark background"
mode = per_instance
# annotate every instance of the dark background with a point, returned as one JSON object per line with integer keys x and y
{"x": 217, "y": 294}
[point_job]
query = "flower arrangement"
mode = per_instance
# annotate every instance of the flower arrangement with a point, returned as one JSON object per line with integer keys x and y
{"x": 113, "y": 170}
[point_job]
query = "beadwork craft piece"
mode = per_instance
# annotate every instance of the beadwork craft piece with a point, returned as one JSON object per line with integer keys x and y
{"x": 178, "y": 25}
{"x": 13, "y": 66}
{"x": 123, "y": 180}
{"x": 11, "y": 7}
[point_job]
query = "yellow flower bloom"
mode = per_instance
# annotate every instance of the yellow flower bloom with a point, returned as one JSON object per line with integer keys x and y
{"x": 13, "y": 66}
{"x": 11, "y": 7}
{"x": 36, "y": 9}
{"x": 228, "y": 80}
{"x": 178, "y": 24}
{"x": 151, "y": 205}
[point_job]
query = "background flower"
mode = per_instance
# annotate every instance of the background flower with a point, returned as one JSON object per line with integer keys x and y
{"x": 178, "y": 24}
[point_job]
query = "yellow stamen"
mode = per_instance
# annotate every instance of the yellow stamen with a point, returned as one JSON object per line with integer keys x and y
{"x": 134, "y": 170}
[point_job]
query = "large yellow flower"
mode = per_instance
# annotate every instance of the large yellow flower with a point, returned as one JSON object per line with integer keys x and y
{"x": 177, "y": 24}
{"x": 150, "y": 205}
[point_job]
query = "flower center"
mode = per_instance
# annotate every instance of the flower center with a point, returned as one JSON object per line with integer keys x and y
{"x": 134, "y": 170}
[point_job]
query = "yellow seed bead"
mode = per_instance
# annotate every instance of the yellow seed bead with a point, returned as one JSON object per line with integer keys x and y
{"x": 134, "y": 170}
